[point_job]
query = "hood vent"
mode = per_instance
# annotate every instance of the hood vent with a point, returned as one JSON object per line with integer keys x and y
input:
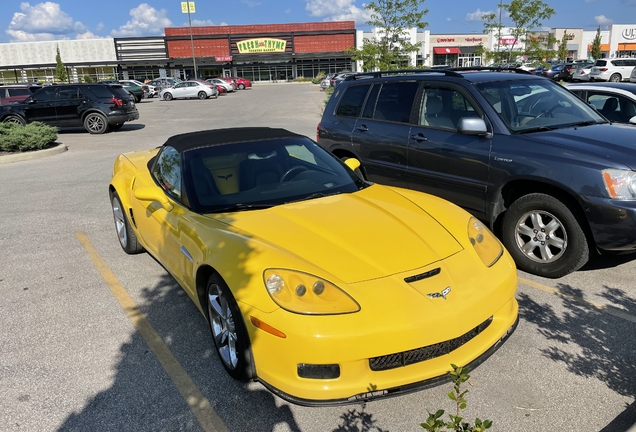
{"x": 421, "y": 276}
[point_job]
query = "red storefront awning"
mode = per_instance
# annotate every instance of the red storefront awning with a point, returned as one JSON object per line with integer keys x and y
{"x": 449, "y": 50}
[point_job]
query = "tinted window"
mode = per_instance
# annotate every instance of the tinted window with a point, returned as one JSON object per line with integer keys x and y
{"x": 19, "y": 92}
{"x": 120, "y": 92}
{"x": 600, "y": 63}
{"x": 395, "y": 102}
{"x": 370, "y": 105}
{"x": 102, "y": 92}
{"x": 167, "y": 171}
{"x": 68, "y": 93}
{"x": 352, "y": 100}
{"x": 45, "y": 95}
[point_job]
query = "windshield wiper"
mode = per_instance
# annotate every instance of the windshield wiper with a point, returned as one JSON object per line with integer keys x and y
{"x": 539, "y": 129}
{"x": 241, "y": 207}
{"x": 313, "y": 196}
{"x": 588, "y": 123}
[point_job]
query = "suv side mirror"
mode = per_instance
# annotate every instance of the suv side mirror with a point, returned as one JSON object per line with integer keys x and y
{"x": 472, "y": 126}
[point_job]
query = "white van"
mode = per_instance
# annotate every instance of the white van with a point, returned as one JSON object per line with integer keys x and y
{"x": 614, "y": 70}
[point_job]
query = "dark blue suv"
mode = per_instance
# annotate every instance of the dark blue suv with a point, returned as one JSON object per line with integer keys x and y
{"x": 552, "y": 177}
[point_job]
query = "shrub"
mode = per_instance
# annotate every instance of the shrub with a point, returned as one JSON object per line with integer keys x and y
{"x": 88, "y": 79}
{"x": 301, "y": 78}
{"x": 458, "y": 375}
{"x": 319, "y": 77}
{"x": 34, "y": 136}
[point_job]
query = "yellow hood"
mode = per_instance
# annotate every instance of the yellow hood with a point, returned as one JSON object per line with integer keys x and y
{"x": 366, "y": 235}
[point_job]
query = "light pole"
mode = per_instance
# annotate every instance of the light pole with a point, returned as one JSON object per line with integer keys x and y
{"x": 188, "y": 7}
{"x": 499, "y": 31}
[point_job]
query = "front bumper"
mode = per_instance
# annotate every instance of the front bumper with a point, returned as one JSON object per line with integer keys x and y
{"x": 613, "y": 223}
{"x": 410, "y": 324}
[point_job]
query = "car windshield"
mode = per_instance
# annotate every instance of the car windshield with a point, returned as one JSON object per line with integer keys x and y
{"x": 536, "y": 105}
{"x": 260, "y": 174}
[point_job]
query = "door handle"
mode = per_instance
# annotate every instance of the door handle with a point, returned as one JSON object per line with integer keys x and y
{"x": 419, "y": 137}
{"x": 362, "y": 128}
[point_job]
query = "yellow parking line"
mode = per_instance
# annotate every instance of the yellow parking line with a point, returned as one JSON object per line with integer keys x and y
{"x": 198, "y": 403}
{"x": 610, "y": 310}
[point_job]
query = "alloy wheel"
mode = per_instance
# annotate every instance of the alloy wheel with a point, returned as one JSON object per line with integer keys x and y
{"x": 120, "y": 223}
{"x": 223, "y": 326}
{"x": 95, "y": 123}
{"x": 541, "y": 236}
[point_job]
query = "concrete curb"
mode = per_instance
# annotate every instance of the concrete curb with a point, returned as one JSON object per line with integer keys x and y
{"x": 60, "y": 148}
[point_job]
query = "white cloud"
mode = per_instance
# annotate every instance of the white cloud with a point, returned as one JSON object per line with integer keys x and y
{"x": 477, "y": 15}
{"x": 89, "y": 35}
{"x": 43, "y": 21}
{"x": 146, "y": 20}
{"x": 448, "y": 19}
{"x": 100, "y": 26}
{"x": 196, "y": 22}
{"x": 338, "y": 10}
{"x": 603, "y": 20}
{"x": 288, "y": 11}
{"x": 590, "y": 1}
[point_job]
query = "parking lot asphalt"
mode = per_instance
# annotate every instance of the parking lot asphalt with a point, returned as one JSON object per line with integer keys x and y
{"x": 73, "y": 357}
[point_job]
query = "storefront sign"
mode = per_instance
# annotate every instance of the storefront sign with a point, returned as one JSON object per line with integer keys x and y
{"x": 629, "y": 34}
{"x": 261, "y": 45}
{"x": 460, "y": 39}
{"x": 223, "y": 58}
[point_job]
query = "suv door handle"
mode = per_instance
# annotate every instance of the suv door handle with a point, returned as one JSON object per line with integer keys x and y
{"x": 362, "y": 128}
{"x": 419, "y": 137}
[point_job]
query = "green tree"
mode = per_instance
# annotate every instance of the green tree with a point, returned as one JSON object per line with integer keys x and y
{"x": 563, "y": 47}
{"x": 60, "y": 69}
{"x": 596, "y": 45}
{"x": 392, "y": 20}
{"x": 526, "y": 16}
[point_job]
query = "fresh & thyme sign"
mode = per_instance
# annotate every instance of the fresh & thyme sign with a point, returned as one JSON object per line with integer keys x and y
{"x": 261, "y": 45}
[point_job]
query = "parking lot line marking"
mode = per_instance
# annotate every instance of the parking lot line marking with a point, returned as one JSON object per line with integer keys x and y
{"x": 610, "y": 310}
{"x": 198, "y": 403}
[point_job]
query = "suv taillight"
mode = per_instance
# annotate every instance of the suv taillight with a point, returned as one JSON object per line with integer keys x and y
{"x": 603, "y": 69}
{"x": 117, "y": 101}
{"x": 318, "y": 133}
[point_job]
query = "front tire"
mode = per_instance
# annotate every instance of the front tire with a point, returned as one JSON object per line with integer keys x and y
{"x": 95, "y": 123}
{"x": 15, "y": 120}
{"x": 228, "y": 330}
{"x": 544, "y": 237}
{"x": 202, "y": 95}
{"x": 127, "y": 238}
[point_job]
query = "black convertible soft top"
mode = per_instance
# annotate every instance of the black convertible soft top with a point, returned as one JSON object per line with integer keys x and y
{"x": 192, "y": 140}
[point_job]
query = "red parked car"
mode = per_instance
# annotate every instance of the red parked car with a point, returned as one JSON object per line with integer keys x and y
{"x": 241, "y": 83}
{"x": 16, "y": 92}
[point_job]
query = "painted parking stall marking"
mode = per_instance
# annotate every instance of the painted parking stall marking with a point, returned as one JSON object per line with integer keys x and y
{"x": 197, "y": 402}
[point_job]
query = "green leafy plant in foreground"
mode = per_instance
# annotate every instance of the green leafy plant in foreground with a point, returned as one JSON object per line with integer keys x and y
{"x": 33, "y": 136}
{"x": 434, "y": 423}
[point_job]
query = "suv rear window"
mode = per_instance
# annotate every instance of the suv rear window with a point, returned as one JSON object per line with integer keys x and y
{"x": 600, "y": 63}
{"x": 352, "y": 100}
{"x": 119, "y": 91}
{"x": 101, "y": 91}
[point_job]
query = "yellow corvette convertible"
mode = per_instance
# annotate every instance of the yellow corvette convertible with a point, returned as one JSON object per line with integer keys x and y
{"x": 324, "y": 287}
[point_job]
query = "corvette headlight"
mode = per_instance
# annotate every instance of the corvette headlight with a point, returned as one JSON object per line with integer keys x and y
{"x": 307, "y": 294}
{"x": 620, "y": 184}
{"x": 485, "y": 243}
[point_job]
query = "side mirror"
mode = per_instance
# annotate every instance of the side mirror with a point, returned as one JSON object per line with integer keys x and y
{"x": 472, "y": 126}
{"x": 153, "y": 193}
{"x": 354, "y": 163}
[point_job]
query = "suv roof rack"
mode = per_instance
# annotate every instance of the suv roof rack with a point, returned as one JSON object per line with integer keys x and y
{"x": 491, "y": 69}
{"x": 381, "y": 74}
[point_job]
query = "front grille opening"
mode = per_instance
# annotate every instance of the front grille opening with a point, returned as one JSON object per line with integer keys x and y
{"x": 313, "y": 371}
{"x": 429, "y": 352}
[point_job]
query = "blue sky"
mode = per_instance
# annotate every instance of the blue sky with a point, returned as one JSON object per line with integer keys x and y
{"x": 22, "y": 21}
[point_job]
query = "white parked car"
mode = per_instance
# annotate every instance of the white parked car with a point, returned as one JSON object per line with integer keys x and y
{"x": 581, "y": 72}
{"x": 226, "y": 85}
{"x": 615, "y": 101}
{"x": 614, "y": 70}
{"x": 188, "y": 89}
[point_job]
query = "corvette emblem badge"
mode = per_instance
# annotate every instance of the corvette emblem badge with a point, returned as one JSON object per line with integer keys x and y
{"x": 442, "y": 294}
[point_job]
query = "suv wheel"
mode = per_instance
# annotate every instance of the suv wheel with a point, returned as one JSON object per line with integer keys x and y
{"x": 544, "y": 237}
{"x": 15, "y": 120}
{"x": 615, "y": 78}
{"x": 95, "y": 123}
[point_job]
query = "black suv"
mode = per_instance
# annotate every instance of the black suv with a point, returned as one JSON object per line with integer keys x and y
{"x": 97, "y": 107}
{"x": 551, "y": 176}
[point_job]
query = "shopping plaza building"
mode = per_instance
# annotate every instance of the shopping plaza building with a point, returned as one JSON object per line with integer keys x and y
{"x": 266, "y": 52}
